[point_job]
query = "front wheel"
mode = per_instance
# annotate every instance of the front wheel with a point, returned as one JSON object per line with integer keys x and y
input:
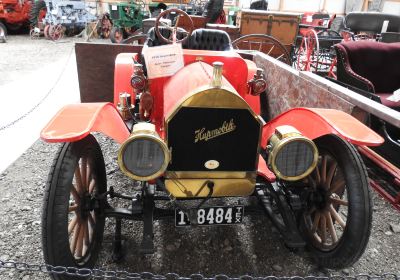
{"x": 72, "y": 217}
{"x": 337, "y": 223}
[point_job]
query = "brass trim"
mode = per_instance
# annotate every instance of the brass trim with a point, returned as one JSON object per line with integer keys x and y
{"x": 211, "y": 174}
{"x": 212, "y": 97}
{"x": 217, "y": 74}
{"x": 144, "y": 131}
{"x": 280, "y": 139}
{"x": 195, "y": 188}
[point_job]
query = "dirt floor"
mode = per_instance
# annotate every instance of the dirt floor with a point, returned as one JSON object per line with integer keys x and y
{"x": 253, "y": 248}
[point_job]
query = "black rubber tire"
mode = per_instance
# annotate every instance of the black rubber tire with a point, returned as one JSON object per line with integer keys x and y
{"x": 4, "y": 30}
{"x": 356, "y": 234}
{"x": 35, "y": 11}
{"x": 55, "y": 237}
{"x": 113, "y": 36}
{"x": 14, "y": 27}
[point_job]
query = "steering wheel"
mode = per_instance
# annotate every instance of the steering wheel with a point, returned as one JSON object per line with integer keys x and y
{"x": 175, "y": 27}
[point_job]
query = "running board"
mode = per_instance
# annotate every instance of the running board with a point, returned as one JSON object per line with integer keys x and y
{"x": 388, "y": 189}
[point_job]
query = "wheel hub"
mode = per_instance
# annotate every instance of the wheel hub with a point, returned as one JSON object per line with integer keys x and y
{"x": 319, "y": 198}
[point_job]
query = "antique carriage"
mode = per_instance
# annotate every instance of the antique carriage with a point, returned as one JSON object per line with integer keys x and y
{"x": 195, "y": 135}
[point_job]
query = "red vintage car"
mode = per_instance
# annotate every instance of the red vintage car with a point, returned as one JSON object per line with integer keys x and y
{"x": 197, "y": 134}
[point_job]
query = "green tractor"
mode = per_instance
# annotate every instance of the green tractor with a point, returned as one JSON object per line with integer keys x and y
{"x": 127, "y": 19}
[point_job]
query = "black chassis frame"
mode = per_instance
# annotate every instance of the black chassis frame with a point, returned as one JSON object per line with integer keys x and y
{"x": 275, "y": 200}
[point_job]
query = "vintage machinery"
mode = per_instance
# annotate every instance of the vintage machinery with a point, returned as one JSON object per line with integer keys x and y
{"x": 62, "y": 17}
{"x": 196, "y": 136}
{"x": 127, "y": 17}
{"x": 14, "y": 15}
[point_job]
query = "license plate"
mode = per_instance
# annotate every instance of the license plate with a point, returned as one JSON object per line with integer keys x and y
{"x": 219, "y": 215}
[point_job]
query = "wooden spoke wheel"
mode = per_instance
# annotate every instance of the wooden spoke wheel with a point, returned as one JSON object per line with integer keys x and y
{"x": 72, "y": 220}
{"x": 46, "y": 31}
{"x": 56, "y": 32}
{"x": 337, "y": 223}
{"x": 263, "y": 43}
{"x": 308, "y": 53}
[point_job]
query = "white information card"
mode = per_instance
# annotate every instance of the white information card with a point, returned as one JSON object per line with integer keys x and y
{"x": 163, "y": 61}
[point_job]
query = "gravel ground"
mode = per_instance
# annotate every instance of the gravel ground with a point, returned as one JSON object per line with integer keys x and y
{"x": 253, "y": 248}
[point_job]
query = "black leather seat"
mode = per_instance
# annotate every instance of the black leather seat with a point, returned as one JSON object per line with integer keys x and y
{"x": 209, "y": 39}
{"x": 153, "y": 40}
{"x": 371, "y": 22}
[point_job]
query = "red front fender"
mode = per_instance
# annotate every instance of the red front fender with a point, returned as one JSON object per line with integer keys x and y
{"x": 313, "y": 123}
{"x": 74, "y": 122}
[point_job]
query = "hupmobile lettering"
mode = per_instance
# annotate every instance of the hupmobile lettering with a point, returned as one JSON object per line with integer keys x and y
{"x": 204, "y": 135}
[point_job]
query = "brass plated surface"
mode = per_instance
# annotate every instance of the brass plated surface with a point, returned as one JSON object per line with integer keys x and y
{"x": 193, "y": 188}
{"x": 280, "y": 139}
{"x": 211, "y": 97}
{"x": 223, "y": 98}
{"x": 144, "y": 131}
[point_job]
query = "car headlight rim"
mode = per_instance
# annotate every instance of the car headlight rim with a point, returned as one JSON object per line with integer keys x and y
{"x": 283, "y": 143}
{"x": 145, "y": 136}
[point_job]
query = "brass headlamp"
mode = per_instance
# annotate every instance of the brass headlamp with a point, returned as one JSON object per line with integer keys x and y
{"x": 292, "y": 156}
{"x": 144, "y": 155}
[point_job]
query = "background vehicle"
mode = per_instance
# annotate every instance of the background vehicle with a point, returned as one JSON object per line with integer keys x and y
{"x": 356, "y": 72}
{"x": 127, "y": 17}
{"x": 62, "y": 17}
{"x": 312, "y": 184}
{"x": 14, "y": 15}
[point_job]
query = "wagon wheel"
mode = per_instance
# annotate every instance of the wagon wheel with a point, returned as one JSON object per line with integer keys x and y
{"x": 337, "y": 223}
{"x": 308, "y": 52}
{"x": 72, "y": 219}
{"x": 263, "y": 43}
{"x": 327, "y": 54}
{"x": 137, "y": 40}
{"x": 46, "y": 31}
{"x": 165, "y": 14}
{"x": 34, "y": 34}
{"x": 56, "y": 32}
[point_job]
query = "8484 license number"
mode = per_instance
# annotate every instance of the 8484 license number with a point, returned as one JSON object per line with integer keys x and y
{"x": 220, "y": 215}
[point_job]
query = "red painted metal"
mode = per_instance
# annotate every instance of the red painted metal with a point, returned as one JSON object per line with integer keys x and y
{"x": 313, "y": 123}
{"x": 390, "y": 169}
{"x": 264, "y": 171}
{"x": 76, "y": 121}
{"x": 122, "y": 75}
{"x": 232, "y": 60}
{"x": 15, "y": 12}
{"x": 394, "y": 201}
{"x": 381, "y": 162}
{"x": 234, "y": 70}
{"x": 181, "y": 85}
